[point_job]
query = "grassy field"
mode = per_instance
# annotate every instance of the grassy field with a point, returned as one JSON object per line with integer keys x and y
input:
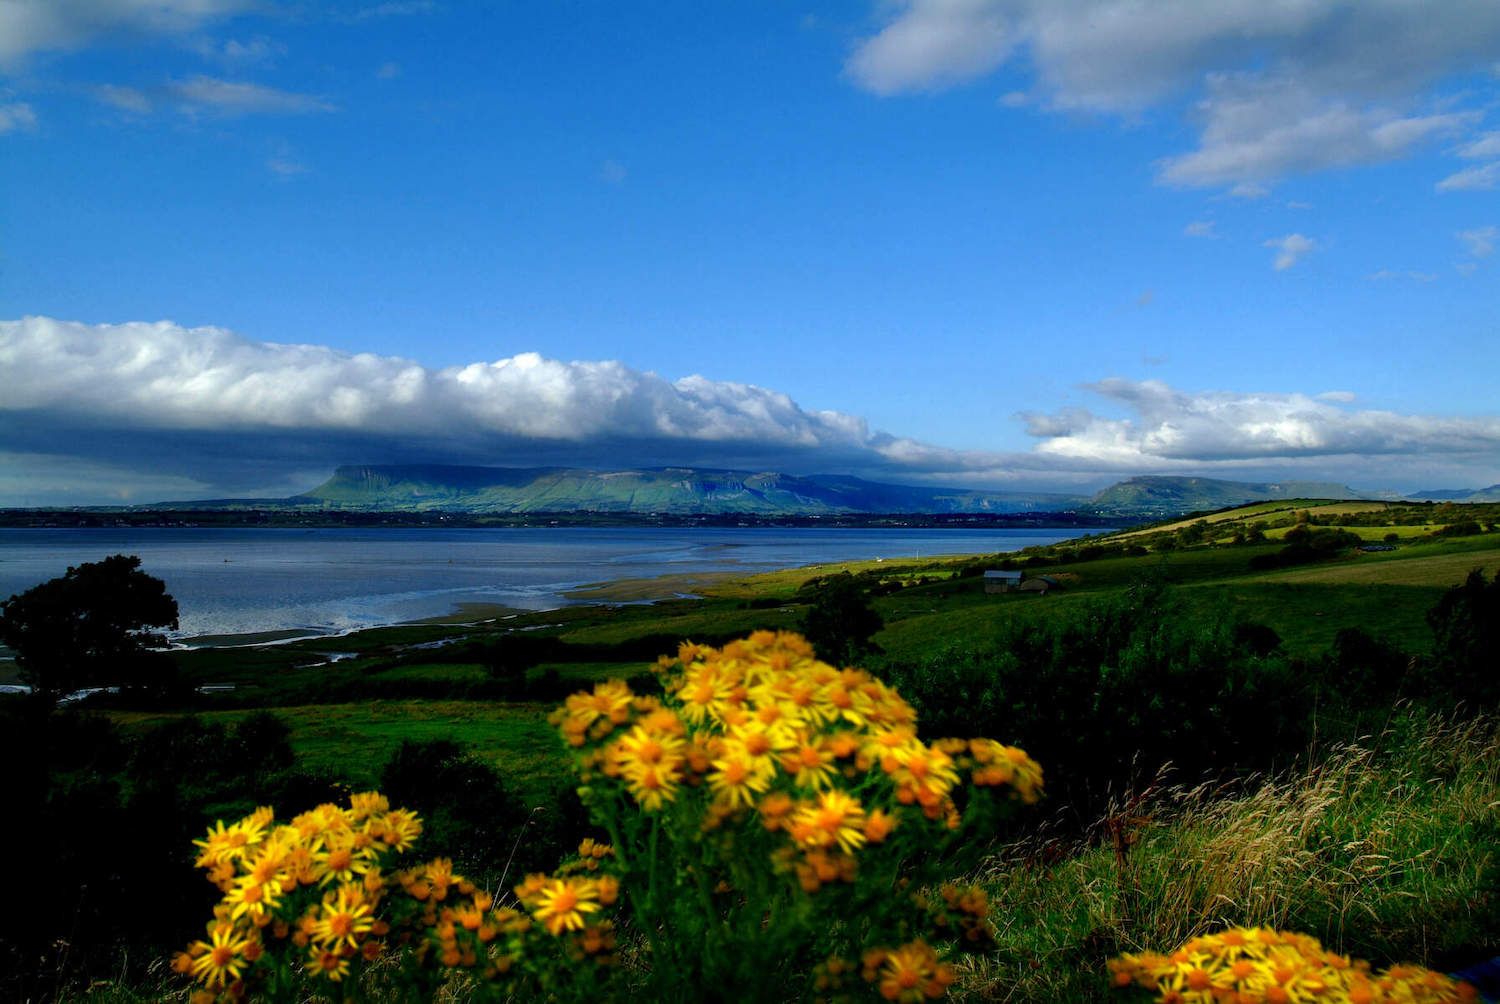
{"x": 1385, "y": 594}
{"x": 1386, "y": 850}
{"x": 354, "y": 740}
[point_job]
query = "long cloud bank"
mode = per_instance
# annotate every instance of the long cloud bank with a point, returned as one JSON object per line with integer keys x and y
{"x": 213, "y": 409}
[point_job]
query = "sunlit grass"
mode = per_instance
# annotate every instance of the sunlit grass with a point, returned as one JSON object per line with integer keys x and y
{"x": 1388, "y": 855}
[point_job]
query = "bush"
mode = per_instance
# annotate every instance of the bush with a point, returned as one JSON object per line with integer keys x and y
{"x": 776, "y": 829}
{"x": 1136, "y": 684}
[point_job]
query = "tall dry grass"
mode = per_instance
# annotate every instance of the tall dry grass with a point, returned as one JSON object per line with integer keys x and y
{"x": 1388, "y": 850}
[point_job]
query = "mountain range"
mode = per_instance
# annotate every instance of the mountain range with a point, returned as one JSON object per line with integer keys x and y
{"x": 686, "y": 490}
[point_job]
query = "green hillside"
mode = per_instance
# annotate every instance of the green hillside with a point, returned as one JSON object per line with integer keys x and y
{"x": 1166, "y": 496}
{"x": 652, "y": 490}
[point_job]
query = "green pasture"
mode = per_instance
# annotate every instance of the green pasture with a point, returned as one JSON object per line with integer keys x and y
{"x": 355, "y": 740}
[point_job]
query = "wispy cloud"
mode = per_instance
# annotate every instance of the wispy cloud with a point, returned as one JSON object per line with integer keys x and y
{"x": 211, "y": 95}
{"x": 238, "y": 54}
{"x": 16, "y": 115}
{"x": 1480, "y": 241}
{"x": 1289, "y": 249}
{"x": 285, "y": 167}
{"x": 126, "y": 99}
{"x": 33, "y": 26}
{"x": 1472, "y": 179}
{"x": 1200, "y": 228}
{"x": 612, "y": 172}
{"x": 1396, "y": 275}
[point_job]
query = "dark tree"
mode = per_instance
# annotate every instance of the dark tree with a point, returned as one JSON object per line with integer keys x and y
{"x": 90, "y": 627}
{"x": 841, "y": 621}
{"x": 1466, "y": 640}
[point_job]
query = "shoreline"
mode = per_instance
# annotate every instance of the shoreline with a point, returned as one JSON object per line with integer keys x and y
{"x": 606, "y": 592}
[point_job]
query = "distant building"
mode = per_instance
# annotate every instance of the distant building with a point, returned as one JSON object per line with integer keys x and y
{"x": 1001, "y": 581}
{"x": 1043, "y": 584}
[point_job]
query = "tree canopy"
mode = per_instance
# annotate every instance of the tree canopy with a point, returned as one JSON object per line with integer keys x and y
{"x": 95, "y": 625}
{"x": 841, "y": 621}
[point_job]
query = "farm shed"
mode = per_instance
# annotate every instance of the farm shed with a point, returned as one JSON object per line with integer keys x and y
{"x": 1001, "y": 581}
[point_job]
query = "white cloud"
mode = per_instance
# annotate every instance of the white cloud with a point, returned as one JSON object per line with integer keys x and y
{"x": 126, "y": 99}
{"x": 32, "y": 26}
{"x": 612, "y": 172}
{"x": 238, "y": 54}
{"x": 1483, "y": 147}
{"x": 1480, "y": 241}
{"x": 1261, "y": 131}
{"x": 1472, "y": 179}
{"x": 228, "y": 97}
{"x": 1200, "y": 228}
{"x": 1289, "y": 249}
{"x": 933, "y": 43}
{"x": 164, "y": 376}
{"x": 233, "y": 415}
{"x": 1393, "y": 275}
{"x": 1280, "y": 88}
{"x": 16, "y": 115}
{"x": 286, "y": 167}
{"x": 1170, "y": 427}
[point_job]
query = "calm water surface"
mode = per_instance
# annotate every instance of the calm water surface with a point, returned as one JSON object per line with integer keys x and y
{"x": 252, "y": 579}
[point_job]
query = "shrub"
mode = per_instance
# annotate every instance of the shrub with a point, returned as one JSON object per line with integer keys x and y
{"x": 776, "y": 828}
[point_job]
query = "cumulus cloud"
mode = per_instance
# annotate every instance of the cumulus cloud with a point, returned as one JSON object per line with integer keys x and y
{"x": 1289, "y": 249}
{"x": 161, "y": 378}
{"x": 932, "y": 44}
{"x": 33, "y": 26}
{"x": 1258, "y": 130}
{"x": 1169, "y": 427}
{"x": 1279, "y": 88}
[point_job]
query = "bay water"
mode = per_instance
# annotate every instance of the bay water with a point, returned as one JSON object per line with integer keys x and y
{"x": 251, "y": 580}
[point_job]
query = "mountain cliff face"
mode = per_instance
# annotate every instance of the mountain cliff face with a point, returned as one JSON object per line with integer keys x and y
{"x": 676, "y": 490}
{"x": 1152, "y": 495}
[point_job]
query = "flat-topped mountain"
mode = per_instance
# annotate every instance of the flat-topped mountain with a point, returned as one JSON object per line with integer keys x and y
{"x": 1168, "y": 496}
{"x": 675, "y": 490}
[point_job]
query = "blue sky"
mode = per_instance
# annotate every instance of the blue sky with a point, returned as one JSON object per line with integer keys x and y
{"x": 1006, "y": 243}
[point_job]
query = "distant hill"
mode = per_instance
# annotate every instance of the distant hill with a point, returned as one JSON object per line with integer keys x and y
{"x": 1490, "y": 494}
{"x": 1170, "y": 496}
{"x": 675, "y": 490}
{"x": 684, "y": 491}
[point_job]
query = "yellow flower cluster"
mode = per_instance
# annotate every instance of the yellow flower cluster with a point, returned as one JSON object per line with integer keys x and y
{"x": 763, "y": 726}
{"x": 257, "y": 866}
{"x": 909, "y": 974}
{"x": 963, "y": 911}
{"x": 1262, "y": 966}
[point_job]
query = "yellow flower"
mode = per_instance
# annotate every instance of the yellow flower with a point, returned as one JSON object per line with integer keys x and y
{"x": 834, "y": 818}
{"x": 737, "y": 777}
{"x": 561, "y": 904}
{"x": 330, "y": 964}
{"x": 251, "y": 897}
{"x": 347, "y": 917}
{"x": 219, "y": 960}
{"x": 912, "y": 973}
